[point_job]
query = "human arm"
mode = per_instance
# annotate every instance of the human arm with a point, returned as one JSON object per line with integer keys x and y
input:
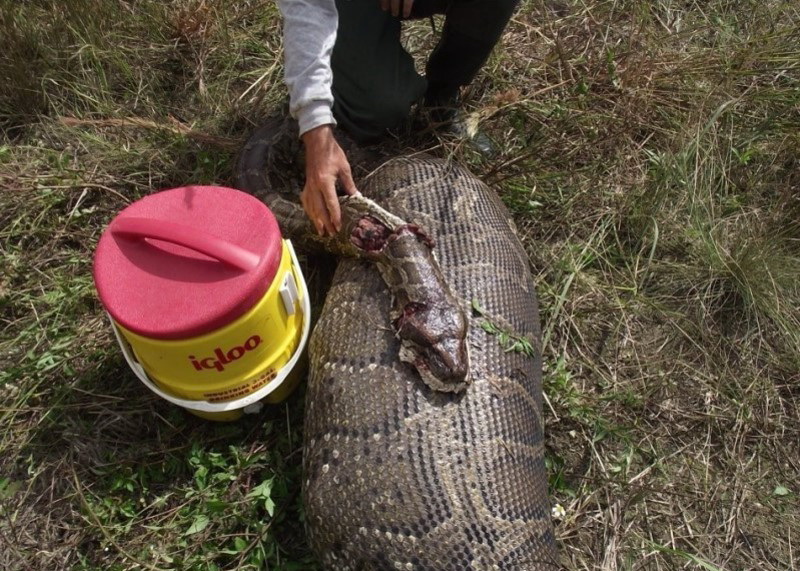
{"x": 325, "y": 164}
{"x": 309, "y": 29}
{"x": 309, "y": 36}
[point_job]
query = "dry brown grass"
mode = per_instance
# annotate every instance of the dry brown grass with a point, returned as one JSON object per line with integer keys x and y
{"x": 650, "y": 157}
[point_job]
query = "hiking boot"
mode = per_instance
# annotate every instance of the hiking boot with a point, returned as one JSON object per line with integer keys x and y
{"x": 446, "y": 117}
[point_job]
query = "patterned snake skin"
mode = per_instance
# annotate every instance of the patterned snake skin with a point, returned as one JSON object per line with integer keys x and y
{"x": 400, "y": 476}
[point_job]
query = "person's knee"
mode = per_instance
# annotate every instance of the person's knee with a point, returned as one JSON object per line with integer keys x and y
{"x": 368, "y": 114}
{"x": 381, "y": 108}
{"x": 481, "y": 19}
{"x": 387, "y": 109}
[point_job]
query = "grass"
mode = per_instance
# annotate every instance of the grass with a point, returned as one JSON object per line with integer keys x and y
{"x": 650, "y": 158}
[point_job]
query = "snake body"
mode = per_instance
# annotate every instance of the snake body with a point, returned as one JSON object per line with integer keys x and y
{"x": 398, "y": 475}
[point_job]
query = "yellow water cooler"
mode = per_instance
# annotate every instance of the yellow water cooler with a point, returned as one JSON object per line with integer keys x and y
{"x": 206, "y": 299}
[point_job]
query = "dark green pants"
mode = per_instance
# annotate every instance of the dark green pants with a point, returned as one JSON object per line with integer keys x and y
{"x": 374, "y": 80}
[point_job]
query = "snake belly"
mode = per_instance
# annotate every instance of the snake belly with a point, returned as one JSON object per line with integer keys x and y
{"x": 399, "y": 476}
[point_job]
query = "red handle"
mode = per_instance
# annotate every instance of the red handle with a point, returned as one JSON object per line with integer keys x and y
{"x": 182, "y": 235}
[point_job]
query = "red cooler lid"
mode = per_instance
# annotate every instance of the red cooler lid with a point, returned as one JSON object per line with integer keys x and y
{"x": 184, "y": 262}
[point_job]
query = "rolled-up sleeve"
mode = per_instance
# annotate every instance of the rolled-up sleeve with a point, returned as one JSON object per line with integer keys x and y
{"x": 309, "y": 29}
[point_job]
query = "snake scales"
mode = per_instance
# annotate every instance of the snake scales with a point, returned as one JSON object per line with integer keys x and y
{"x": 397, "y": 475}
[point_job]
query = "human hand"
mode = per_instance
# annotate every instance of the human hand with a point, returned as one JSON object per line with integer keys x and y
{"x": 325, "y": 164}
{"x": 398, "y": 7}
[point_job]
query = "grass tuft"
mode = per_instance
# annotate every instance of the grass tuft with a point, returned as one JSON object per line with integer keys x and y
{"x": 649, "y": 154}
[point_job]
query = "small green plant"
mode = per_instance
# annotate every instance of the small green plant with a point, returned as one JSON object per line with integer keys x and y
{"x": 509, "y": 341}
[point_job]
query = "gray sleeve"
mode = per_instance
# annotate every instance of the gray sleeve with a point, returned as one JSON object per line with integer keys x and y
{"x": 309, "y": 30}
